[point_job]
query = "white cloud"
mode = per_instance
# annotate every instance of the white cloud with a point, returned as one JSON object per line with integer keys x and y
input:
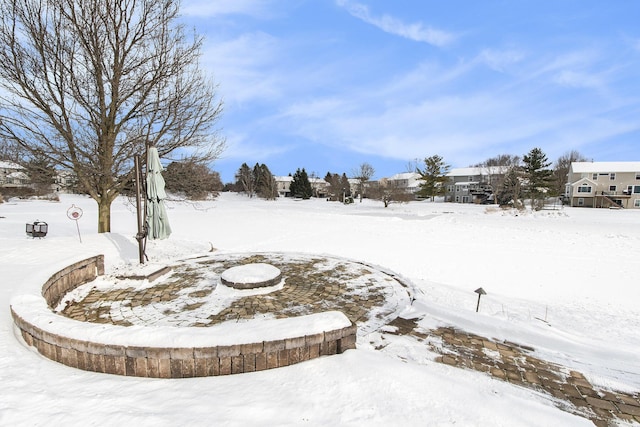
{"x": 207, "y": 8}
{"x": 578, "y": 80}
{"x": 391, "y": 25}
{"x": 499, "y": 60}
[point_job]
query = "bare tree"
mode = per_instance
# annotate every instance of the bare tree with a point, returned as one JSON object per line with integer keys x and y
{"x": 561, "y": 169}
{"x": 91, "y": 83}
{"x": 363, "y": 174}
{"x": 389, "y": 191}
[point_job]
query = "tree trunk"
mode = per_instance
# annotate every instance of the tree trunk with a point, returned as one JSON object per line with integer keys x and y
{"x": 104, "y": 215}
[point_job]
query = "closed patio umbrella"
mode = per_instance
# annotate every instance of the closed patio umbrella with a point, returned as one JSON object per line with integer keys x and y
{"x": 157, "y": 221}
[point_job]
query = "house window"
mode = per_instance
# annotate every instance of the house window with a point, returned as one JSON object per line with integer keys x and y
{"x": 637, "y": 176}
{"x": 580, "y": 201}
{"x": 636, "y": 203}
{"x": 585, "y": 189}
{"x": 612, "y": 177}
{"x": 594, "y": 176}
{"x": 457, "y": 199}
{"x": 636, "y": 189}
{"x": 612, "y": 188}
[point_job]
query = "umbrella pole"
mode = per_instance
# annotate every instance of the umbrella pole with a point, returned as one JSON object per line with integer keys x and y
{"x": 141, "y": 231}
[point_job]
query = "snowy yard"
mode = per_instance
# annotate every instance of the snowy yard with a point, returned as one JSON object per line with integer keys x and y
{"x": 561, "y": 281}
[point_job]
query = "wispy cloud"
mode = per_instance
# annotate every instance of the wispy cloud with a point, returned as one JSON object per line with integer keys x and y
{"x": 414, "y": 31}
{"x": 208, "y": 8}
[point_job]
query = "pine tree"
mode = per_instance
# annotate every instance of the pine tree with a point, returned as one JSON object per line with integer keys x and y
{"x": 433, "y": 176}
{"x": 245, "y": 180}
{"x": 265, "y": 184}
{"x": 539, "y": 178}
{"x": 508, "y": 193}
{"x": 300, "y": 185}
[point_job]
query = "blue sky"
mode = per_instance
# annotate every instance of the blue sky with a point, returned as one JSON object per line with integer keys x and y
{"x": 330, "y": 84}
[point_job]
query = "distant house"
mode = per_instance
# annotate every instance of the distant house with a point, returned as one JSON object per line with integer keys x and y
{"x": 13, "y": 175}
{"x": 473, "y": 185}
{"x": 408, "y": 181}
{"x": 318, "y": 185}
{"x": 604, "y": 184}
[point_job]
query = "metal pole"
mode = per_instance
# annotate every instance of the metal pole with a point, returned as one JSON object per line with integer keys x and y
{"x": 478, "y": 305}
{"x": 140, "y": 236}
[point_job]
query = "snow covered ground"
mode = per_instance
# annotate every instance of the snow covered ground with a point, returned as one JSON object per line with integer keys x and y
{"x": 563, "y": 282}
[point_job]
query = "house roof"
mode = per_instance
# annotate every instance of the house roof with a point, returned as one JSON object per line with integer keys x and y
{"x": 489, "y": 170}
{"x": 405, "y": 175}
{"x": 596, "y": 167}
{"x": 9, "y": 165}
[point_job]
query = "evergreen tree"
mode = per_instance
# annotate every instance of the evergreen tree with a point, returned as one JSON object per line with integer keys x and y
{"x": 433, "y": 177}
{"x": 537, "y": 175}
{"x": 300, "y": 185}
{"x": 335, "y": 187}
{"x": 508, "y": 193}
{"x": 265, "y": 184}
{"x": 245, "y": 180}
{"x": 346, "y": 187}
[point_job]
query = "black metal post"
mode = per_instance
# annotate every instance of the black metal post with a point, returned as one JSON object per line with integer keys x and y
{"x": 141, "y": 231}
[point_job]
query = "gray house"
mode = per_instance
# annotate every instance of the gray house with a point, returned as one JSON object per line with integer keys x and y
{"x": 473, "y": 185}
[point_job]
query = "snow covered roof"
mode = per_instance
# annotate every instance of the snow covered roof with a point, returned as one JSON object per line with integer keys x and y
{"x": 406, "y": 175}
{"x": 595, "y": 167}
{"x": 467, "y": 183}
{"x": 9, "y": 165}
{"x": 489, "y": 170}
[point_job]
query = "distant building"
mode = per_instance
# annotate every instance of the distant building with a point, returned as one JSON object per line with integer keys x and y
{"x": 318, "y": 185}
{"x": 408, "y": 181}
{"x": 13, "y": 175}
{"x": 473, "y": 185}
{"x": 604, "y": 184}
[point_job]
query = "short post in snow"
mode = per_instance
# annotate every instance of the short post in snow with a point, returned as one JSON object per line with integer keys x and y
{"x": 480, "y": 292}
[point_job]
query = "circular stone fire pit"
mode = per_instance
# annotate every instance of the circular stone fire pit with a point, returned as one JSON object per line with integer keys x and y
{"x": 250, "y": 276}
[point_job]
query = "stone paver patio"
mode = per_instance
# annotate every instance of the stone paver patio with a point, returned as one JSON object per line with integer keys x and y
{"x": 189, "y": 296}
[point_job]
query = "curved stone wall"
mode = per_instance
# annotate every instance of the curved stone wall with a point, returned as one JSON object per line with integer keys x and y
{"x": 133, "y": 352}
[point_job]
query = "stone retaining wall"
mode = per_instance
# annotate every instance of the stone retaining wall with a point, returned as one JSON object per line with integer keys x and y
{"x": 166, "y": 362}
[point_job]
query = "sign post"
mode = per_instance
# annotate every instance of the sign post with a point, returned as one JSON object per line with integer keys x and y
{"x": 75, "y": 213}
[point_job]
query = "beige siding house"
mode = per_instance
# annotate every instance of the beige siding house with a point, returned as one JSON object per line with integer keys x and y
{"x": 604, "y": 184}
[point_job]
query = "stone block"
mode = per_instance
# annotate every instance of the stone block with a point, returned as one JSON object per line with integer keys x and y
{"x": 181, "y": 353}
{"x": 333, "y": 335}
{"x": 95, "y": 362}
{"x": 68, "y": 357}
{"x": 271, "y": 346}
{"x": 291, "y": 343}
{"x": 314, "y": 350}
{"x": 130, "y": 366}
{"x": 295, "y": 355}
{"x": 261, "y": 361}
{"x": 201, "y": 367}
{"x": 253, "y": 348}
{"x": 237, "y": 364}
{"x": 599, "y": 403}
{"x": 205, "y": 352}
{"x": 213, "y": 365}
{"x": 310, "y": 340}
{"x": 140, "y": 367}
{"x": 629, "y": 409}
{"x": 225, "y": 365}
{"x": 272, "y": 360}
{"x": 114, "y": 350}
{"x": 164, "y": 368}
{"x": 158, "y": 353}
{"x": 329, "y": 347}
{"x": 137, "y": 352}
{"x": 283, "y": 358}
{"x": 228, "y": 351}
{"x": 188, "y": 368}
{"x": 532, "y": 378}
{"x": 347, "y": 343}
{"x": 28, "y": 338}
{"x": 176, "y": 368}
{"x": 153, "y": 368}
{"x": 249, "y": 362}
